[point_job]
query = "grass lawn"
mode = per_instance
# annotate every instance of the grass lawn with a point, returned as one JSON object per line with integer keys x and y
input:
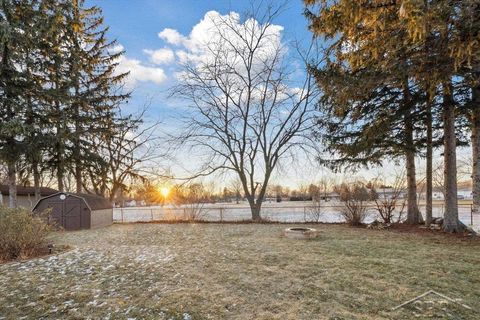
{"x": 244, "y": 271}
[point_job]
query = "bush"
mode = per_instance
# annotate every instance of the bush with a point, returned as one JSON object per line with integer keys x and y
{"x": 314, "y": 212}
{"x": 22, "y": 234}
{"x": 354, "y": 198}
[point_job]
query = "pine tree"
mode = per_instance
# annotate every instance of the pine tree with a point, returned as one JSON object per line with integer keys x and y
{"x": 454, "y": 26}
{"x": 60, "y": 90}
{"x": 383, "y": 101}
{"x": 17, "y": 83}
{"x": 34, "y": 116}
{"x": 95, "y": 86}
{"x": 436, "y": 45}
{"x": 55, "y": 54}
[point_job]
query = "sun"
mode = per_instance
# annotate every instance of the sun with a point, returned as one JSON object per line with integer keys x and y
{"x": 165, "y": 191}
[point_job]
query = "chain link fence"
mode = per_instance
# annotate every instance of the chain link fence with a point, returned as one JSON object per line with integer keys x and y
{"x": 326, "y": 213}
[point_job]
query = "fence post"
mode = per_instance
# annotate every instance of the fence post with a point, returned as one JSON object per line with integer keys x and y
{"x": 151, "y": 214}
{"x": 121, "y": 211}
{"x": 221, "y": 214}
{"x": 471, "y": 214}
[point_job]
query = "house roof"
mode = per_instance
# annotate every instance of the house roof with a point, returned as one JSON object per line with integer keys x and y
{"x": 93, "y": 201}
{"x": 25, "y": 191}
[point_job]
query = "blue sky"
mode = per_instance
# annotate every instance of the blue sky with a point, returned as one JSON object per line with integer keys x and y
{"x": 136, "y": 24}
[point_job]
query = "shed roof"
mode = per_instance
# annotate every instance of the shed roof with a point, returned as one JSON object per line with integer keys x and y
{"x": 93, "y": 201}
{"x": 25, "y": 191}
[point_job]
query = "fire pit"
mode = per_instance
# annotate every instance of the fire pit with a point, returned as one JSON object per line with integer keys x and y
{"x": 300, "y": 233}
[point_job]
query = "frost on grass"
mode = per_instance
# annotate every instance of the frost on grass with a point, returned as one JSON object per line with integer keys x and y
{"x": 200, "y": 271}
{"x": 91, "y": 278}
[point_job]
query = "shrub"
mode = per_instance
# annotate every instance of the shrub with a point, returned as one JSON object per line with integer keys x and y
{"x": 192, "y": 199}
{"x": 22, "y": 234}
{"x": 314, "y": 212}
{"x": 390, "y": 206}
{"x": 354, "y": 198}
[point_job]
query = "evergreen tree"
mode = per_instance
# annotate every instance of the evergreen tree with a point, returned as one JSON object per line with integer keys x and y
{"x": 18, "y": 82}
{"x": 95, "y": 87}
{"x": 433, "y": 47}
{"x": 370, "y": 75}
{"x": 455, "y": 49}
{"x": 59, "y": 88}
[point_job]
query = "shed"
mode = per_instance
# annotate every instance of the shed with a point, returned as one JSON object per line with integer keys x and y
{"x": 74, "y": 211}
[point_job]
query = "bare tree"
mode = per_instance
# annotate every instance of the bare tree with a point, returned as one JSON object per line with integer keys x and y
{"x": 191, "y": 198}
{"x": 314, "y": 192}
{"x": 247, "y": 107}
{"x": 326, "y": 185}
{"x": 315, "y": 211}
{"x": 390, "y": 203}
{"x": 438, "y": 177}
{"x": 354, "y": 199}
{"x": 236, "y": 187}
{"x": 125, "y": 153}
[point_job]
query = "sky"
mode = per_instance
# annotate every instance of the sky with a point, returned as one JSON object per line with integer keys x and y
{"x": 150, "y": 31}
{"x": 157, "y": 34}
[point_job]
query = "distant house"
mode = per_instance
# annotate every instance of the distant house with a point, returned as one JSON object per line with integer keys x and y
{"x": 130, "y": 203}
{"x": 466, "y": 194}
{"x": 25, "y": 195}
{"x": 330, "y": 196}
{"x": 390, "y": 193}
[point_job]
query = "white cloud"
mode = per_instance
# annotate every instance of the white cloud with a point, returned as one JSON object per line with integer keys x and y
{"x": 213, "y": 29}
{"x": 140, "y": 72}
{"x": 194, "y": 47}
{"x": 171, "y": 36}
{"x": 161, "y": 56}
{"x": 116, "y": 49}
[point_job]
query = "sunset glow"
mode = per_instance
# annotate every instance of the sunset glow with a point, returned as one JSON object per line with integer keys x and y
{"x": 165, "y": 191}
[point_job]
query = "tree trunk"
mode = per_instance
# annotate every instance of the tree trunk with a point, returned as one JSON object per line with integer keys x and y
{"x": 36, "y": 180}
{"x": 60, "y": 175}
{"x": 429, "y": 123}
{"x": 256, "y": 212}
{"x": 413, "y": 214}
{"x": 60, "y": 152}
{"x": 429, "y": 165}
{"x": 476, "y": 148}
{"x": 77, "y": 147}
{"x": 254, "y": 208}
{"x": 450, "y": 221}
{"x": 12, "y": 185}
{"x": 59, "y": 143}
{"x": 78, "y": 173}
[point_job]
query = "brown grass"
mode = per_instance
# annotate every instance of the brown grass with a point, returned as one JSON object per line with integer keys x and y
{"x": 244, "y": 271}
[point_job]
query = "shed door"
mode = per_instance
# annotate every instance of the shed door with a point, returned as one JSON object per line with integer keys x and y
{"x": 72, "y": 214}
{"x": 56, "y": 215}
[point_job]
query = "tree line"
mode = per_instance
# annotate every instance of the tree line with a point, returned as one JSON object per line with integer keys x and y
{"x": 401, "y": 79}
{"x": 60, "y": 97}
{"x": 386, "y": 81}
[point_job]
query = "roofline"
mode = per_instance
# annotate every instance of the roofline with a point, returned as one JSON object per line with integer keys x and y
{"x": 58, "y": 193}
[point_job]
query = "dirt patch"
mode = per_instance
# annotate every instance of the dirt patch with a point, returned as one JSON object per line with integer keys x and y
{"x": 420, "y": 230}
{"x": 42, "y": 253}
